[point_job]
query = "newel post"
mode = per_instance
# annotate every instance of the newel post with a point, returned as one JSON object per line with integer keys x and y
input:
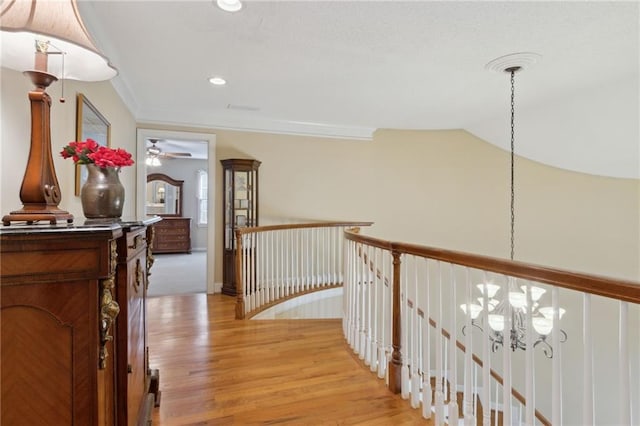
{"x": 239, "y": 286}
{"x": 395, "y": 364}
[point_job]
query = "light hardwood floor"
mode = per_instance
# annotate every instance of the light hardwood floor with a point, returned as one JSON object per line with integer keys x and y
{"x": 215, "y": 370}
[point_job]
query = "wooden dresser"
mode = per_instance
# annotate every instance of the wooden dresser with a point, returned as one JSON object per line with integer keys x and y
{"x": 73, "y": 330}
{"x": 172, "y": 235}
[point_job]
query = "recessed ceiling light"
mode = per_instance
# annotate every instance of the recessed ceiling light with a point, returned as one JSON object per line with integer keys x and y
{"x": 229, "y": 5}
{"x": 217, "y": 81}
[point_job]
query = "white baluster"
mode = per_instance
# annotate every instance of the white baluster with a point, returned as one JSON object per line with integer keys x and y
{"x": 248, "y": 296}
{"x": 469, "y": 418}
{"x": 260, "y": 249}
{"x": 368, "y": 302}
{"x": 382, "y": 343}
{"x": 427, "y": 391}
{"x": 345, "y": 298}
{"x": 358, "y": 292}
{"x": 453, "y": 378}
{"x": 288, "y": 250}
{"x": 439, "y": 397}
{"x": 556, "y": 385}
{"x": 300, "y": 253}
{"x": 249, "y": 270}
{"x": 486, "y": 360}
{"x": 587, "y": 351}
{"x": 624, "y": 366}
{"x": 327, "y": 251}
{"x": 414, "y": 337}
{"x": 363, "y": 303}
{"x": 506, "y": 353}
{"x": 530, "y": 400}
{"x": 352, "y": 292}
{"x": 339, "y": 267}
{"x": 412, "y": 282}
{"x": 404, "y": 320}
{"x": 377, "y": 310}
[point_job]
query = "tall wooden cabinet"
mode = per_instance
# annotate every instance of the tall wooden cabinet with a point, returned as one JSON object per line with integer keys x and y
{"x": 240, "y": 209}
{"x": 72, "y": 328}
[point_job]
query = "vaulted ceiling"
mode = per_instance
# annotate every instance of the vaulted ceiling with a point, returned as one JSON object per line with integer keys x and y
{"x": 344, "y": 69}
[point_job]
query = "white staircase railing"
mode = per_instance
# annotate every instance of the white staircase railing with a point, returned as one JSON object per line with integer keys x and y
{"x": 278, "y": 262}
{"x": 403, "y": 317}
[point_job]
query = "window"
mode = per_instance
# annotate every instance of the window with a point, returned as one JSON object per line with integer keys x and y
{"x": 201, "y": 195}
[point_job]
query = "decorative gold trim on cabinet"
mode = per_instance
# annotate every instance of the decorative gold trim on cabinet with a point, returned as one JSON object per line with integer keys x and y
{"x": 151, "y": 235}
{"x": 109, "y": 310}
{"x": 139, "y": 275}
{"x": 113, "y": 257}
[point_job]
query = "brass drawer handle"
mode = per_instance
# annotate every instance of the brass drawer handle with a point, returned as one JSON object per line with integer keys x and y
{"x": 137, "y": 241}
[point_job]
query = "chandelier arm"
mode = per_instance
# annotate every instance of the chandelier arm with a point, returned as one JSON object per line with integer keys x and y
{"x": 563, "y": 336}
{"x": 547, "y": 349}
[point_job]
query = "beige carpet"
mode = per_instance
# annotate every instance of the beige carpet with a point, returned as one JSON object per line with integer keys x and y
{"x": 178, "y": 274}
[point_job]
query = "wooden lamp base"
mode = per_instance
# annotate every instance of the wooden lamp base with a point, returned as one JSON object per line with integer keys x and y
{"x": 39, "y": 193}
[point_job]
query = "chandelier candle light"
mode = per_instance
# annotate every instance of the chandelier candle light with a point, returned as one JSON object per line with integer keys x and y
{"x": 522, "y": 302}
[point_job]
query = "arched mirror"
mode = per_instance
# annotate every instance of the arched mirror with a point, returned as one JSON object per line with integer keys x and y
{"x": 164, "y": 195}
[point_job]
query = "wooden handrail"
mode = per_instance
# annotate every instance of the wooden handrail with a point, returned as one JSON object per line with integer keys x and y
{"x": 627, "y": 291}
{"x": 253, "y": 229}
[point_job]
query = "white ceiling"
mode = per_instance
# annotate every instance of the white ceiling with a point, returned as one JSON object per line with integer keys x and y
{"x": 344, "y": 69}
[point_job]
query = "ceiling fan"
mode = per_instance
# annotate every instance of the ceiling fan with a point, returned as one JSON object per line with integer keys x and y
{"x": 154, "y": 151}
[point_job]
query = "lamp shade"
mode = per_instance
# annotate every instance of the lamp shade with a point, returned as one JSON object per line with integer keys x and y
{"x": 24, "y": 21}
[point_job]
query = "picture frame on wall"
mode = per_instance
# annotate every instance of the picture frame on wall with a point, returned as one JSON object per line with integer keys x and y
{"x": 90, "y": 124}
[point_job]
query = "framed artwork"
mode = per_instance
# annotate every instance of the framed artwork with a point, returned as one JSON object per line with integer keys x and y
{"x": 90, "y": 124}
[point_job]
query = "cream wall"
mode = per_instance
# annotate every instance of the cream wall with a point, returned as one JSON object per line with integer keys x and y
{"x": 447, "y": 189}
{"x": 16, "y": 136}
{"x": 441, "y": 188}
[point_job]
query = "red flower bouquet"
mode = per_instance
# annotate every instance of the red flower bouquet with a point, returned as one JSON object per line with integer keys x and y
{"x": 89, "y": 152}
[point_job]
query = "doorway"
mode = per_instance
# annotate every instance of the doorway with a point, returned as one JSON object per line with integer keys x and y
{"x": 206, "y": 239}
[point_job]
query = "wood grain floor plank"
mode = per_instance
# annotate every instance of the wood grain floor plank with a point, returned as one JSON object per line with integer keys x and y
{"x": 215, "y": 370}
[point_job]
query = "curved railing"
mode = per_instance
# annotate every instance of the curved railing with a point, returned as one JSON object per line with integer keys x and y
{"x": 275, "y": 263}
{"x": 402, "y": 305}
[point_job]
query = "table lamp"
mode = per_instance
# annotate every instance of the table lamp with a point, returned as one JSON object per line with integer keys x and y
{"x": 49, "y": 28}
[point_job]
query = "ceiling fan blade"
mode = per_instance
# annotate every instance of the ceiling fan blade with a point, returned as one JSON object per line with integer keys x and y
{"x": 176, "y": 154}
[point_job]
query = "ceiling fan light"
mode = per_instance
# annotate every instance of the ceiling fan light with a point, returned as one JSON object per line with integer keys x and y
{"x": 153, "y": 162}
{"x": 217, "y": 81}
{"x": 229, "y": 5}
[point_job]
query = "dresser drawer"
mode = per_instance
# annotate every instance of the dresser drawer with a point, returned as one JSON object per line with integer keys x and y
{"x": 173, "y": 247}
{"x": 172, "y": 231}
{"x": 172, "y": 235}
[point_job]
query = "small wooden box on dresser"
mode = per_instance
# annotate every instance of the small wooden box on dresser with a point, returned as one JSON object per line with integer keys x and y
{"x": 73, "y": 326}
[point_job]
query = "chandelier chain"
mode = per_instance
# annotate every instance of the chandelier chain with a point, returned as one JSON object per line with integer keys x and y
{"x": 513, "y": 115}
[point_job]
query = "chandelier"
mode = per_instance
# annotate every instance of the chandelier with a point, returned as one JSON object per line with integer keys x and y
{"x": 518, "y": 303}
{"x": 541, "y": 317}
